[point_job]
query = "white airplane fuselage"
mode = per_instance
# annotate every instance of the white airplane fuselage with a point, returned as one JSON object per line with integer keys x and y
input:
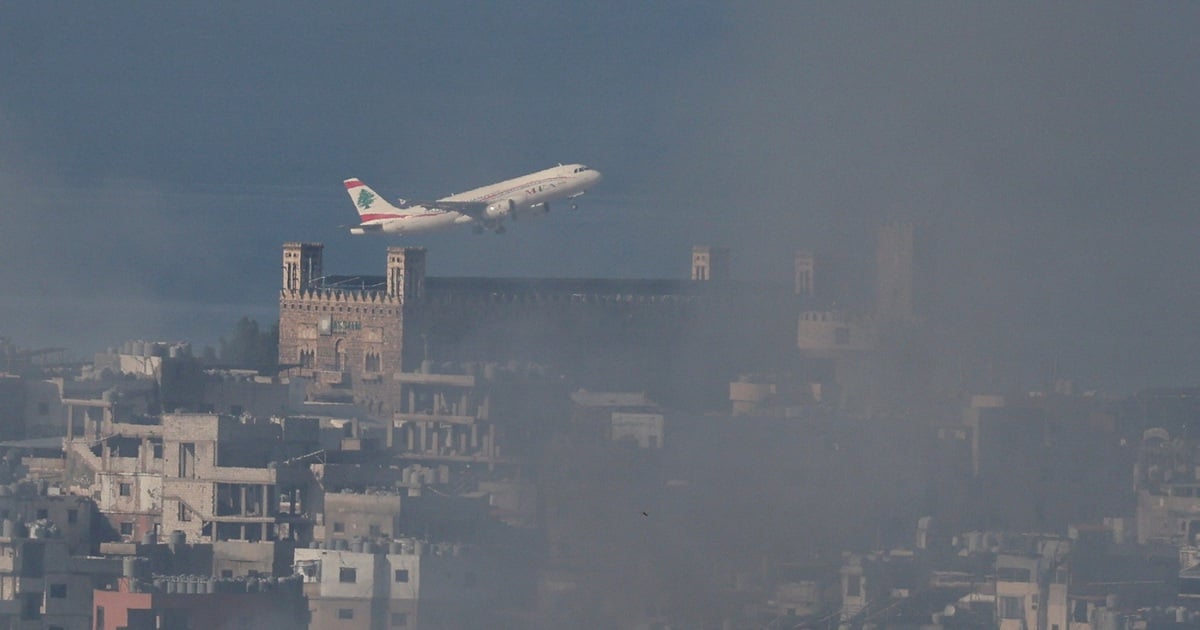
{"x": 486, "y": 206}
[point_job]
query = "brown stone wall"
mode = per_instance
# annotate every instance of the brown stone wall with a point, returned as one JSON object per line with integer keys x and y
{"x": 350, "y": 340}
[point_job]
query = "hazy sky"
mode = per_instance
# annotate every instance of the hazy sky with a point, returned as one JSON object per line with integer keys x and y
{"x": 1047, "y": 152}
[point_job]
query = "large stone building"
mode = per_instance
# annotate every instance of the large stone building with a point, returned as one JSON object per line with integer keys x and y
{"x": 352, "y": 334}
{"x": 346, "y": 331}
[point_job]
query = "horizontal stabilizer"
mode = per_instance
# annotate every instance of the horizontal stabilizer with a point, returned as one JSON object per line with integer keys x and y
{"x": 367, "y": 228}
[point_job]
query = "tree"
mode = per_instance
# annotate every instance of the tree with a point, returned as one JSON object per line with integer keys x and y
{"x": 251, "y": 348}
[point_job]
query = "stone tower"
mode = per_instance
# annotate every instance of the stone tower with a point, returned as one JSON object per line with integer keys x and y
{"x": 406, "y": 273}
{"x": 710, "y": 263}
{"x": 894, "y": 272}
{"x": 805, "y": 268}
{"x": 301, "y": 265}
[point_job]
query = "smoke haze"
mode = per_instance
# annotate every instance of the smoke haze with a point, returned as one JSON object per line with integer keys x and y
{"x": 1047, "y": 154}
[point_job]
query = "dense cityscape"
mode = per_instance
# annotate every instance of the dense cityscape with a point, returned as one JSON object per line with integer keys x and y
{"x": 648, "y": 316}
{"x": 404, "y": 451}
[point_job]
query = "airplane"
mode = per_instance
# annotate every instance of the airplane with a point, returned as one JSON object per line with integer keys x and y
{"x": 482, "y": 208}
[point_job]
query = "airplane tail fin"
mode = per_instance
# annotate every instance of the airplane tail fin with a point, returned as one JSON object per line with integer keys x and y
{"x": 368, "y": 202}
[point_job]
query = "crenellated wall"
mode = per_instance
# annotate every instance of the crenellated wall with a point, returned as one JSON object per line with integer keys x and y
{"x": 607, "y": 332}
{"x": 348, "y": 341}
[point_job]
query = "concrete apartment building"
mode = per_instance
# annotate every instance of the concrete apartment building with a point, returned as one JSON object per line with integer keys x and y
{"x": 402, "y": 583}
{"x": 43, "y": 585}
{"x": 33, "y": 407}
{"x": 1168, "y": 491}
{"x": 350, "y": 516}
{"x": 116, "y": 458}
{"x": 227, "y": 559}
{"x": 71, "y": 516}
{"x": 191, "y": 602}
{"x": 629, "y": 417}
{"x": 210, "y": 476}
{"x": 1032, "y": 586}
{"x": 871, "y": 583}
{"x": 444, "y": 418}
{"x": 227, "y": 478}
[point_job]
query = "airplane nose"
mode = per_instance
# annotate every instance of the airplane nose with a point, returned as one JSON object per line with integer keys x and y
{"x": 596, "y": 176}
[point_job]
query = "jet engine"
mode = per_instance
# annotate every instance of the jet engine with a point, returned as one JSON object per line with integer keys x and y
{"x": 501, "y": 209}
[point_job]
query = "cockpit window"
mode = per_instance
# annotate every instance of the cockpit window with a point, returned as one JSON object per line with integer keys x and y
{"x": 580, "y": 169}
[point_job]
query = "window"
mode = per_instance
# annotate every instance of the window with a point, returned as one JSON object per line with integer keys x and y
{"x": 42, "y": 513}
{"x": 226, "y": 573}
{"x": 374, "y": 530}
{"x": 1013, "y": 574}
{"x": 309, "y": 570}
{"x": 347, "y": 575}
{"x": 187, "y": 460}
{"x": 58, "y": 591}
{"x": 339, "y": 528}
{"x": 127, "y": 529}
{"x": 1011, "y": 608}
{"x": 345, "y": 613}
{"x": 399, "y": 620}
{"x": 1080, "y": 612}
{"x": 100, "y": 618}
{"x": 184, "y": 513}
{"x": 401, "y": 575}
{"x": 126, "y": 489}
{"x": 31, "y": 607}
{"x": 158, "y": 451}
{"x": 72, "y": 516}
{"x": 854, "y": 586}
